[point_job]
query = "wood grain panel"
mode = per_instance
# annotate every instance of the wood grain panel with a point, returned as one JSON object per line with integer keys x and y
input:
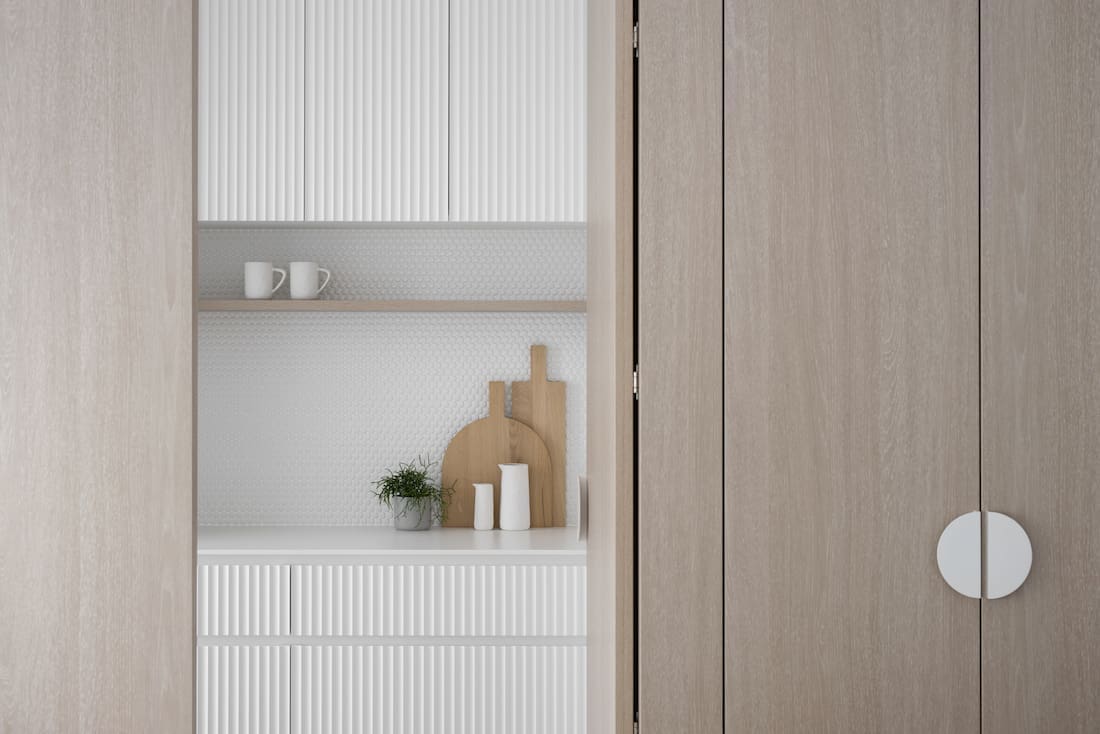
{"x": 1040, "y": 311}
{"x": 610, "y": 365}
{"x": 96, "y": 225}
{"x": 851, "y": 363}
{"x": 680, "y": 366}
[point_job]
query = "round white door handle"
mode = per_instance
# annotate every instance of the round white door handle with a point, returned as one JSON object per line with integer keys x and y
{"x": 1007, "y": 555}
{"x": 959, "y": 554}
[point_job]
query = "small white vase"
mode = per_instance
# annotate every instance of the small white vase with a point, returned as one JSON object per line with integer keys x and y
{"x": 483, "y": 506}
{"x": 515, "y": 497}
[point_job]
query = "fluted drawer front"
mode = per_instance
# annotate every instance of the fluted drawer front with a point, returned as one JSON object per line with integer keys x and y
{"x": 376, "y": 110}
{"x": 429, "y": 689}
{"x": 243, "y": 599}
{"x": 439, "y": 600}
{"x": 251, "y": 83}
{"x": 242, "y": 689}
{"x": 517, "y": 130}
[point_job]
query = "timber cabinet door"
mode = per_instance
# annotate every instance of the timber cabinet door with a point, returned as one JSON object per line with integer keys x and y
{"x": 679, "y": 438}
{"x": 910, "y": 300}
{"x": 1040, "y": 311}
{"x": 96, "y": 305}
{"x": 851, "y": 363}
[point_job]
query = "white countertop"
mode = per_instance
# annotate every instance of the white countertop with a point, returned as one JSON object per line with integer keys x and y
{"x": 356, "y": 540}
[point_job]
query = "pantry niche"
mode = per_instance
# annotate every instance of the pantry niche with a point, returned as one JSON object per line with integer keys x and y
{"x": 430, "y": 154}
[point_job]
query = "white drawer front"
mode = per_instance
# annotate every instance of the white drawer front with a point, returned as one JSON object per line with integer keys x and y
{"x": 243, "y": 599}
{"x": 442, "y": 600}
{"x": 428, "y": 689}
{"x": 242, "y": 689}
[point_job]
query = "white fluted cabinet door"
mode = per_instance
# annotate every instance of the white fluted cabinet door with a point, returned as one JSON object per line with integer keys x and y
{"x": 452, "y": 600}
{"x": 424, "y": 689}
{"x": 250, "y": 114}
{"x": 242, "y": 689}
{"x": 517, "y": 130}
{"x": 376, "y": 110}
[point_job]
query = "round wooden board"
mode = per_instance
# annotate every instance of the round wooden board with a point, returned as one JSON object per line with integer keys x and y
{"x": 474, "y": 454}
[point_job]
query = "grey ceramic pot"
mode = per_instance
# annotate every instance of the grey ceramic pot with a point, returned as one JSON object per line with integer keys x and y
{"x": 408, "y": 516}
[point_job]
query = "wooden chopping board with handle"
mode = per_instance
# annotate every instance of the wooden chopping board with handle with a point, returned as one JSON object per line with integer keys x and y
{"x": 473, "y": 456}
{"x": 540, "y": 404}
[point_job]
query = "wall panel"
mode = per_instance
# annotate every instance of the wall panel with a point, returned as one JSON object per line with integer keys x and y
{"x": 96, "y": 471}
{"x": 402, "y": 262}
{"x": 301, "y": 412}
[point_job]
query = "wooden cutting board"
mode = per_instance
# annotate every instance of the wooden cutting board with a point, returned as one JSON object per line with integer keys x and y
{"x": 540, "y": 404}
{"x": 475, "y": 452}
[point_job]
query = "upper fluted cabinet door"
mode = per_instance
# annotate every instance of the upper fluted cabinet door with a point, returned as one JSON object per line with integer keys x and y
{"x": 517, "y": 110}
{"x": 250, "y": 112}
{"x": 376, "y": 110}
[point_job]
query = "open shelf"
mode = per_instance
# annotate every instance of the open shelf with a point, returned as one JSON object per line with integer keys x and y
{"x": 219, "y": 304}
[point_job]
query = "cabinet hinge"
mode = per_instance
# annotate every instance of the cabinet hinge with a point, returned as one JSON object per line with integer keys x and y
{"x": 635, "y": 40}
{"x": 635, "y": 727}
{"x": 635, "y": 382}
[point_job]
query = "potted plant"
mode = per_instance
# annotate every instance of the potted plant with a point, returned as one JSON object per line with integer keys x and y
{"x": 413, "y": 497}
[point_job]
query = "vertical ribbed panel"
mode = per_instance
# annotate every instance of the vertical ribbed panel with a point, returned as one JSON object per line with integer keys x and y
{"x": 376, "y": 110}
{"x": 242, "y": 689}
{"x": 237, "y": 599}
{"x": 432, "y": 689}
{"x": 439, "y": 600}
{"x": 250, "y": 109}
{"x": 517, "y": 132}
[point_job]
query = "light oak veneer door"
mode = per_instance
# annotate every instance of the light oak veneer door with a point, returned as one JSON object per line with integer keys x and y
{"x": 1040, "y": 336}
{"x": 851, "y": 363}
{"x": 679, "y": 436}
{"x": 96, "y": 501}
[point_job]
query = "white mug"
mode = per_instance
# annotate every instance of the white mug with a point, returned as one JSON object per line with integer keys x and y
{"x": 303, "y": 280}
{"x": 257, "y": 279}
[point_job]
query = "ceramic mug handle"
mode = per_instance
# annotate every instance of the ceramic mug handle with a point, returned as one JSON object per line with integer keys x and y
{"x": 328, "y": 276}
{"x": 282, "y": 278}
